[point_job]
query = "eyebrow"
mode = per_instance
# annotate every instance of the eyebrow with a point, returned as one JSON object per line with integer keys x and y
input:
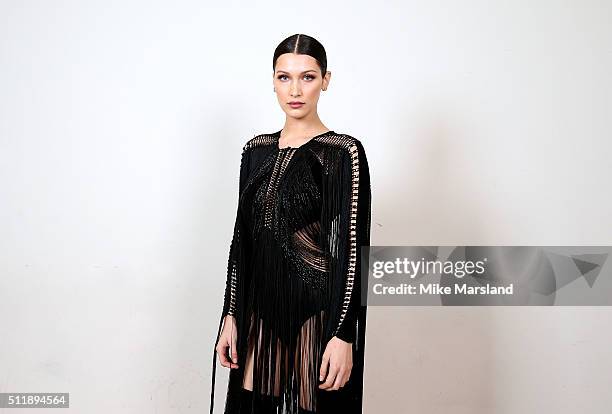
{"x": 309, "y": 70}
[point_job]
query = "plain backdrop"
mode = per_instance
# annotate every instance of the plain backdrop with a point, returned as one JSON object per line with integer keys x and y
{"x": 121, "y": 128}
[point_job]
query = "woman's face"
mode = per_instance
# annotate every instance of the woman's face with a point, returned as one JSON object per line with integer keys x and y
{"x": 297, "y": 78}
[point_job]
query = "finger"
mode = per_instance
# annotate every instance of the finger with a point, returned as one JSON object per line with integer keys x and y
{"x": 234, "y": 358}
{"x": 339, "y": 382}
{"x": 347, "y": 375}
{"x": 331, "y": 377}
{"x": 323, "y": 369}
{"x": 228, "y": 361}
{"x": 234, "y": 350}
{"x": 222, "y": 352}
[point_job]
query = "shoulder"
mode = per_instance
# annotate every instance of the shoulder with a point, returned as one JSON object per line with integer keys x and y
{"x": 343, "y": 143}
{"x": 259, "y": 140}
{"x": 337, "y": 140}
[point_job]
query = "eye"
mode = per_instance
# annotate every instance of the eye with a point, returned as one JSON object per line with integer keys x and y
{"x": 308, "y": 77}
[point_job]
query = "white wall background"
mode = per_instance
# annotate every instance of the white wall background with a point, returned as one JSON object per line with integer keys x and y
{"x": 121, "y": 126}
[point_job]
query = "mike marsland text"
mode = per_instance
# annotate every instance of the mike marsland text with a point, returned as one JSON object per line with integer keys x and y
{"x": 436, "y": 289}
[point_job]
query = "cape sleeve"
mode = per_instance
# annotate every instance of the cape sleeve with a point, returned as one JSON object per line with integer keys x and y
{"x": 349, "y": 204}
{"x": 236, "y": 246}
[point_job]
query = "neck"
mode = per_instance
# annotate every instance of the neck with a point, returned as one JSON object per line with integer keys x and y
{"x": 298, "y": 131}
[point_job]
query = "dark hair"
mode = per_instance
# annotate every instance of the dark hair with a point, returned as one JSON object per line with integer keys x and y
{"x": 302, "y": 45}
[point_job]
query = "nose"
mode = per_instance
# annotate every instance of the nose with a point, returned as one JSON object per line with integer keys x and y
{"x": 295, "y": 89}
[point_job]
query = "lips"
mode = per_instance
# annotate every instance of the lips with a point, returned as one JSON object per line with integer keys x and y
{"x": 296, "y": 104}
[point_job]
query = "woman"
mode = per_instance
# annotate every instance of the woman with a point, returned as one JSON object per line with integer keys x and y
{"x": 293, "y": 322}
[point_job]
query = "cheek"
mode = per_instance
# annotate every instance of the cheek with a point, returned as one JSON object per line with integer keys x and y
{"x": 312, "y": 90}
{"x": 282, "y": 87}
{"x": 280, "y": 91}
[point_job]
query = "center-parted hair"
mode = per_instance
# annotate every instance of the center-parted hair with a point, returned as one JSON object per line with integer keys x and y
{"x": 302, "y": 44}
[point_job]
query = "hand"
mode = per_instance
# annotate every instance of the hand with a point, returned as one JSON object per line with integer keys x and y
{"x": 336, "y": 365}
{"x": 228, "y": 340}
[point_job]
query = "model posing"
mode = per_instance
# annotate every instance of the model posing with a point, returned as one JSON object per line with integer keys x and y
{"x": 292, "y": 329}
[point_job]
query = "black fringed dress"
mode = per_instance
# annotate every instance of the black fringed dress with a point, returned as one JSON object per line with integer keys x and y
{"x": 293, "y": 279}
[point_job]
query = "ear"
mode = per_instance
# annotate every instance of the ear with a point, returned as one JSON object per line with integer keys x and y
{"x": 326, "y": 79}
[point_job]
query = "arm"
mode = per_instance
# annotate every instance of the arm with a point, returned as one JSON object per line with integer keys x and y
{"x": 351, "y": 230}
{"x": 235, "y": 251}
{"x": 346, "y": 214}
